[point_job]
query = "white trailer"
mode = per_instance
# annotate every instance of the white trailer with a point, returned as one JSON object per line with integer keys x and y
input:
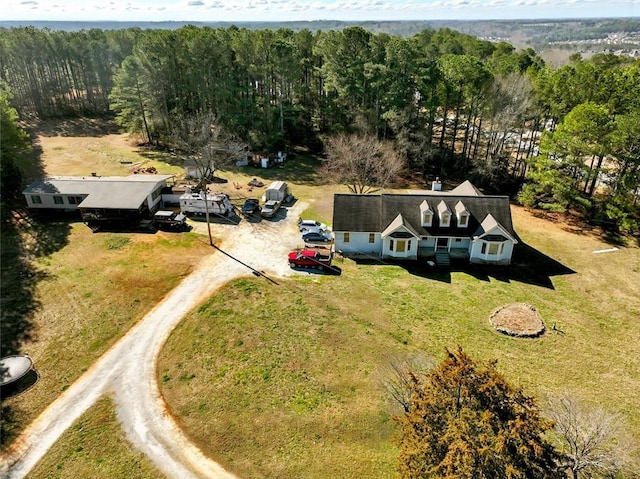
{"x": 216, "y": 203}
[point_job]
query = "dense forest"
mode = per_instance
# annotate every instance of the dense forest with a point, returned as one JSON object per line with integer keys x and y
{"x": 453, "y": 105}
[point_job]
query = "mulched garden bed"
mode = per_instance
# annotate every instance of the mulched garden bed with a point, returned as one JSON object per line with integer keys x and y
{"x": 518, "y": 319}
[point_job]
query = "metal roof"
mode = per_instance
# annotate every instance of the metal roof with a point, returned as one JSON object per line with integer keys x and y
{"x": 109, "y": 192}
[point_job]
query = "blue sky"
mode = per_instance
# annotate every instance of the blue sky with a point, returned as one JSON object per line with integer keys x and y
{"x": 284, "y": 10}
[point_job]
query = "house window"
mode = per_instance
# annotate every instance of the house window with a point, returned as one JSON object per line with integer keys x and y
{"x": 409, "y": 245}
{"x": 74, "y": 200}
{"x": 156, "y": 193}
{"x": 458, "y": 240}
{"x": 58, "y": 200}
{"x": 445, "y": 220}
{"x": 463, "y": 221}
{"x": 372, "y": 238}
{"x": 36, "y": 200}
{"x": 400, "y": 247}
{"x": 494, "y": 248}
{"x": 390, "y": 245}
{"x": 345, "y": 237}
{"x": 426, "y": 218}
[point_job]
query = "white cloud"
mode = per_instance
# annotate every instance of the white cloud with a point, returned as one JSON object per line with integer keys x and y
{"x": 282, "y": 10}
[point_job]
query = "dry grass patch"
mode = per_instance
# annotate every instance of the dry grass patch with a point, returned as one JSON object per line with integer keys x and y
{"x": 82, "y": 147}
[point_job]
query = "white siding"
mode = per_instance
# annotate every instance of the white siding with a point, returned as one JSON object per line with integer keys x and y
{"x": 154, "y": 203}
{"x": 476, "y": 255}
{"x": 48, "y": 201}
{"x": 358, "y": 243}
{"x": 464, "y": 243}
{"x": 392, "y": 249}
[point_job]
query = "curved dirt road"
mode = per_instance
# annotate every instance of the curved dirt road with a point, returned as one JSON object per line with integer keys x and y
{"x": 128, "y": 369}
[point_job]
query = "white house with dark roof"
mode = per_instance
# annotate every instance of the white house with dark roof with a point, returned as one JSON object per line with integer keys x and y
{"x": 461, "y": 223}
{"x": 99, "y": 198}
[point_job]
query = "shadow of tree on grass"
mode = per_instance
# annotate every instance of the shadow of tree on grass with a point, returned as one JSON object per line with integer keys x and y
{"x": 23, "y": 239}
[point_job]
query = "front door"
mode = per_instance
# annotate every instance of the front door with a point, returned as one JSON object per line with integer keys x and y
{"x": 442, "y": 243}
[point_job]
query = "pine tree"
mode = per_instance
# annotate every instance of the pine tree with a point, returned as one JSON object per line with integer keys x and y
{"x": 13, "y": 144}
{"x": 466, "y": 421}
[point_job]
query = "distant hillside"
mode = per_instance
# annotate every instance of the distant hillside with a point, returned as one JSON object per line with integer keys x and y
{"x": 568, "y": 36}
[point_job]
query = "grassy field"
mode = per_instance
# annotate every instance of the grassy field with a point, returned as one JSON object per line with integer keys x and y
{"x": 87, "y": 295}
{"x": 85, "y": 146}
{"x": 69, "y": 294}
{"x": 286, "y": 381}
{"x": 95, "y": 446}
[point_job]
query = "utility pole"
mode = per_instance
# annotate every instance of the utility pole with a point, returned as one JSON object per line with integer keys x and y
{"x": 206, "y": 210}
{"x": 204, "y": 191}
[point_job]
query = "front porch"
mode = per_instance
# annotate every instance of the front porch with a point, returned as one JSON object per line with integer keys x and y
{"x": 454, "y": 253}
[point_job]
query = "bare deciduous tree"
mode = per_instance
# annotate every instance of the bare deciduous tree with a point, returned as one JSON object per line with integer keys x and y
{"x": 363, "y": 163}
{"x": 589, "y": 439}
{"x": 207, "y": 144}
{"x": 399, "y": 374}
{"x": 210, "y": 147}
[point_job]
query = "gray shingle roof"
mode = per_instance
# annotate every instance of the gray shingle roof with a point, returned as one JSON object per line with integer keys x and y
{"x": 357, "y": 213}
{"x": 373, "y": 213}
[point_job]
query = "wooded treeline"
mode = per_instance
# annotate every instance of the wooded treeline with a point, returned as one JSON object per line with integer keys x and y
{"x": 455, "y": 106}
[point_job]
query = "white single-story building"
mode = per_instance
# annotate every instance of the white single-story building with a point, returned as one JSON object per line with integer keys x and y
{"x": 99, "y": 198}
{"x": 461, "y": 223}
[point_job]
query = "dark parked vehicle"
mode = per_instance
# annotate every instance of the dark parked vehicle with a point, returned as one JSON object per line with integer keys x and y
{"x": 170, "y": 220}
{"x": 317, "y": 237}
{"x": 251, "y": 206}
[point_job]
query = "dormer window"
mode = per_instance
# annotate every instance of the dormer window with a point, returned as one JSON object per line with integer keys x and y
{"x": 426, "y": 214}
{"x": 462, "y": 215}
{"x": 444, "y": 214}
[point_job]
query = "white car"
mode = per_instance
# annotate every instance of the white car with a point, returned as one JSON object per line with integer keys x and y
{"x": 310, "y": 225}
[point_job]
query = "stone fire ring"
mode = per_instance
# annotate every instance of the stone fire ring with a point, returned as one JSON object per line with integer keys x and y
{"x": 520, "y": 320}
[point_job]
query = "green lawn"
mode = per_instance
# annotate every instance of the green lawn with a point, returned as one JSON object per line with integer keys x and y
{"x": 72, "y": 294}
{"x": 95, "y": 447}
{"x": 286, "y": 381}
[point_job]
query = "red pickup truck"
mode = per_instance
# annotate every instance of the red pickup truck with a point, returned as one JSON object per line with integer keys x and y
{"x": 310, "y": 258}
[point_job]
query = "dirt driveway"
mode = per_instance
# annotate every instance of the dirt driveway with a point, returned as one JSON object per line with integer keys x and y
{"x": 128, "y": 369}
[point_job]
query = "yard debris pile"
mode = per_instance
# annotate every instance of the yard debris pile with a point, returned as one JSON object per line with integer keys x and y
{"x": 518, "y": 319}
{"x": 256, "y": 182}
{"x": 149, "y": 170}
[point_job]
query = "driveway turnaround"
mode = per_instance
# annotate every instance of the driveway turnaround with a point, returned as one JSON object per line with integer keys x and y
{"x": 128, "y": 369}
